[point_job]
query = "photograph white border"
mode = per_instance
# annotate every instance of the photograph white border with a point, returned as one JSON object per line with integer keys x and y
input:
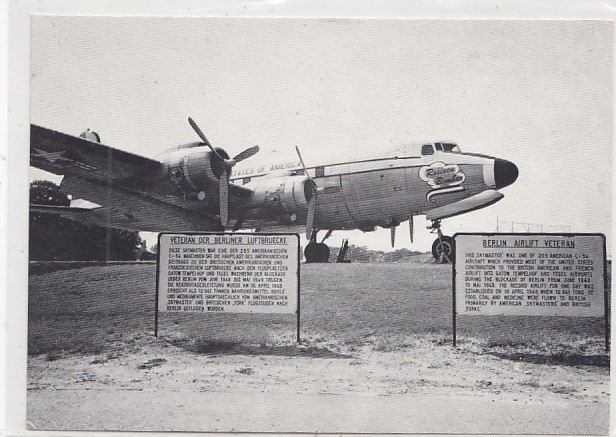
{"x": 15, "y": 159}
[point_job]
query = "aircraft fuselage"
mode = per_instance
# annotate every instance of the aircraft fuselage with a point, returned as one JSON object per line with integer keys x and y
{"x": 368, "y": 193}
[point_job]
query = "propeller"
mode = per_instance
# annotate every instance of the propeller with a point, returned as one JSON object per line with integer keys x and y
{"x": 411, "y": 228}
{"x": 312, "y": 202}
{"x": 392, "y": 231}
{"x": 202, "y": 136}
{"x": 223, "y": 195}
{"x": 227, "y": 165}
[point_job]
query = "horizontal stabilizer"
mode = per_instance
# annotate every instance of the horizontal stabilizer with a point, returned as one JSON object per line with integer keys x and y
{"x": 76, "y": 205}
{"x": 478, "y": 201}
{"x": 83, "y": 204}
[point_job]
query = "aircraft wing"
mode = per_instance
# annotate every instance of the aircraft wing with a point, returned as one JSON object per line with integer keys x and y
{"x": 64, "y": 154}
{"x": 144, "y": 217}
{"x": 132, "y": 191}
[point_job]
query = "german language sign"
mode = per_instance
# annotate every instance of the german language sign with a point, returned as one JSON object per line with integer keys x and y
{"x": 530, "y": 274}
{"x": 228, "y": 273}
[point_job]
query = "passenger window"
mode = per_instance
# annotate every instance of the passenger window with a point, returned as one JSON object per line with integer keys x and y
{"x": 245, "y": 181}
{"x": 319, "y": 172}
{"x": 427, "y": 149}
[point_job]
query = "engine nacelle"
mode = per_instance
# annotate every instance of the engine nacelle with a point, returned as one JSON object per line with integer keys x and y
{"x": 196, "y": 168}
{"x": 284, "y": 198}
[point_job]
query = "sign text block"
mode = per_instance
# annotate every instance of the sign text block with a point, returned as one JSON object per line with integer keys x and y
{"x": 530, "y": 274}
{"x": 228, "y": 273}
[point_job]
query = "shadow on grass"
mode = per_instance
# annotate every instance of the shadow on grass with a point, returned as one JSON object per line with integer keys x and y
{"x": 557, "y": 359}
{"x": 236, "y": 348}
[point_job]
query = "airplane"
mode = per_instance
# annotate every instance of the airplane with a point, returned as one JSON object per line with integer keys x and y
{"x": 199, "y": 187}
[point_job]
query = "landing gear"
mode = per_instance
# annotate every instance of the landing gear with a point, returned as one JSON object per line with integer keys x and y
{"x": 442, "y": 248}
{"x": 317, "y": 252}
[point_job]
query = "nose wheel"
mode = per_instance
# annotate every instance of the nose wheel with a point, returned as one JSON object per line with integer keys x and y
{"x": 442, "y": 248}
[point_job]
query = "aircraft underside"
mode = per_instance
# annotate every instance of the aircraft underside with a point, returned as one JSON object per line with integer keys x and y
{"x": 319, "y": 252}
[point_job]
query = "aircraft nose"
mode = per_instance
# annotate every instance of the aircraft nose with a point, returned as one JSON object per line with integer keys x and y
{"x": 505, "y": 173}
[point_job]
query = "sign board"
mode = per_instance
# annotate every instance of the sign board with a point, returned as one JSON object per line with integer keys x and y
{"x": 228, "y": 273}
{"x": 530, "y": 274}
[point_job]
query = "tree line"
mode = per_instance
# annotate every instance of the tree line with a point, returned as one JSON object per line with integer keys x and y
{"x": 55, "y": 238}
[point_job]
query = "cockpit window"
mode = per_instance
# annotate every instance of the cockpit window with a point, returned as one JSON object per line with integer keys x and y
{"x": 427, "y": 149}
{"x": 450, "y": 147}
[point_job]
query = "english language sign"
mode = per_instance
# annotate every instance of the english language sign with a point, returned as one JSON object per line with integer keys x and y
{"x": 228, "y": 273}
{"x": 530, "y": 274}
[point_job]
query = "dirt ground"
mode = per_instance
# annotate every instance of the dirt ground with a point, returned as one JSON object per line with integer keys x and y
{"x": 94, "y": 363}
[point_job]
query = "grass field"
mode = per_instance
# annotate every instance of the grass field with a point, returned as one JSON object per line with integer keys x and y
{"x": 102, "y": 308}
{"x": 376, "y": 356}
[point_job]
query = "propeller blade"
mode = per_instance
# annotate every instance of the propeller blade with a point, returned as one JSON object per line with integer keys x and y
{"x": 198, "y": 131}
{"x": 224, "y": 198}
{"x": 411, "y": 228}
{"x": 312, "y": 203}
{"x": 393, "y": 235}
{"x": 203, "y": 138}
{"x": 246, "y": 154}
{"x": 303, "y": 165}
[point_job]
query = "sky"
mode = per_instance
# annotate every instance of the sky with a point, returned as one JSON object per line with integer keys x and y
{"x": 538, "y": 93}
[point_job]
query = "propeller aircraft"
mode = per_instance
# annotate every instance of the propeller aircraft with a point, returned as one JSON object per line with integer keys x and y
{"x": 198, "y": 187}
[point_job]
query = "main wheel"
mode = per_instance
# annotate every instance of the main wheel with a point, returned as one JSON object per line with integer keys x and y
{"x": 443, "y": 246}
{"x": 323, "y": 252}
{"x": 316, "y": 253}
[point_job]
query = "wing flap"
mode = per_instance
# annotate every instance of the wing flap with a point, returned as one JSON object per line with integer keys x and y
{"x": 127, "y": 209}
{"x": 116, "y": 219}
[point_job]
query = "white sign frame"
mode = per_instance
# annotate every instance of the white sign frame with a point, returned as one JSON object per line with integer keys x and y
{"x": 533, "y": 244}
{"x": 230, "y": 257}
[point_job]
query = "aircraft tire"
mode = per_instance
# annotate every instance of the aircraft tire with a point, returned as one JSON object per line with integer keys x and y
{"x": 323, "y": 252}
{"x": 316, "y": 253}
{"x": 311, "y": 252}
{"x": 447, "y": 246}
